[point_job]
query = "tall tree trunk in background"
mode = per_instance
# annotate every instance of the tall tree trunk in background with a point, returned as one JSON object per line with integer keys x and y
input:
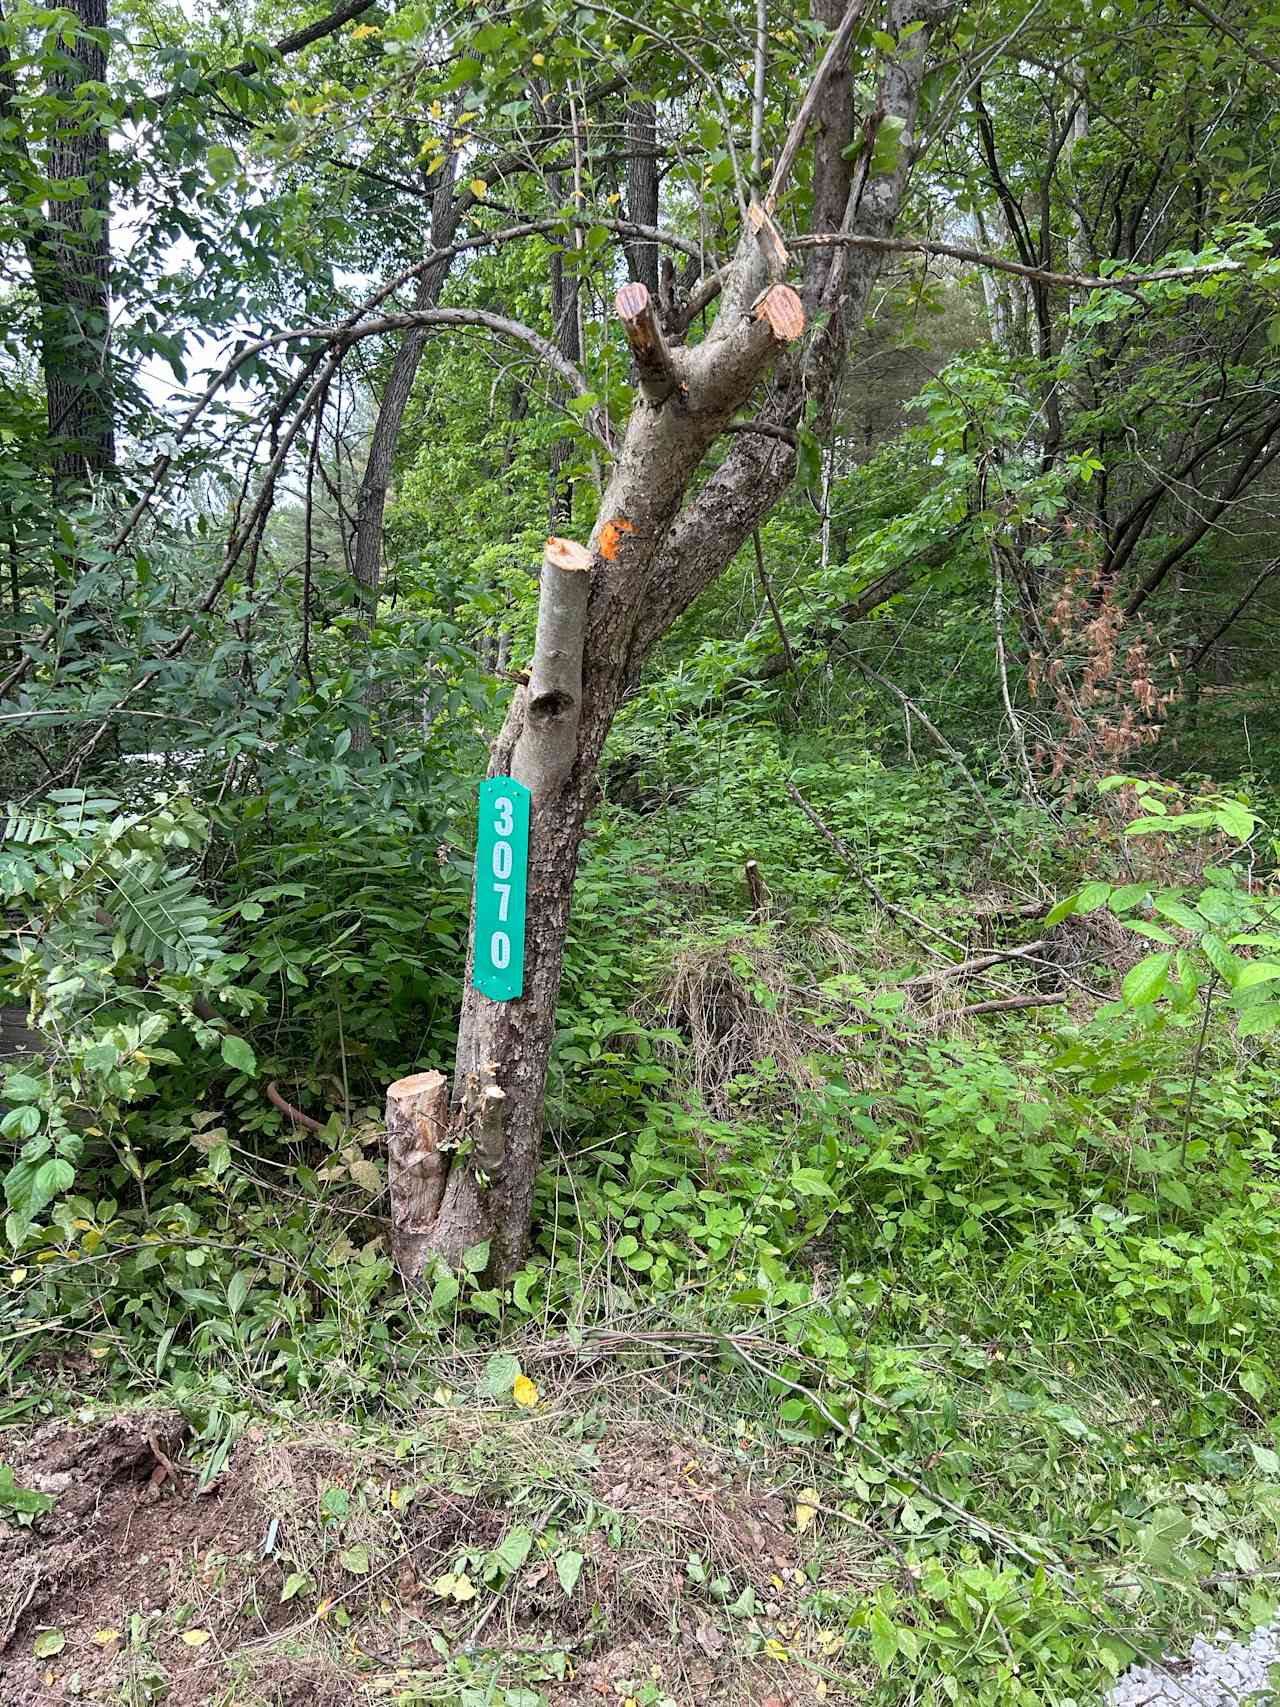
{"x": 651, "y": 554}
{"x": 565, "y": 298}
{"x": 642, "y": 191}
{"x": 70, "y": 256}
{"x": 371, "y": 506}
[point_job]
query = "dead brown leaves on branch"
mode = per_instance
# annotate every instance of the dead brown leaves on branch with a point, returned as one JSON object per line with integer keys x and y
{"x": 1100, "y": 675}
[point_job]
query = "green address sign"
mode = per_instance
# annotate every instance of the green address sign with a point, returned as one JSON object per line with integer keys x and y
{"x": 502, "y": 873}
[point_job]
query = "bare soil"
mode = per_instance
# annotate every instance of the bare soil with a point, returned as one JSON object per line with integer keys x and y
{"x": 139, "y": 1589}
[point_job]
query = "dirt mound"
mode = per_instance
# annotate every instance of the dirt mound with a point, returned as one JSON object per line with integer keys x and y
{"x": 83, "y": 1587}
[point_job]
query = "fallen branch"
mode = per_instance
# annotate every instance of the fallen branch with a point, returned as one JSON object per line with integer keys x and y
{"x": 847, "y": 859}
{"x": 979, "y": 963}
{"x": 1012, "y": 1002}
{"x": 286, "y": 1108}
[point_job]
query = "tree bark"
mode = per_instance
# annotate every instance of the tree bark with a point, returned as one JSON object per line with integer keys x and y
{"x": 70, "y": 258}
{"x": 372, "y": 503}
{"x": 642, "y": 191}
{"x": 651, "y": 554}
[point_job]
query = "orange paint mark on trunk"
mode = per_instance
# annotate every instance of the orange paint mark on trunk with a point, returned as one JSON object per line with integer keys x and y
{"x": 611, "y": 536}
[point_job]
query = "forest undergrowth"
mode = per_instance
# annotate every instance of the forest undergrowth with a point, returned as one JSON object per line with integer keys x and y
{"x": 875, "y": 1345}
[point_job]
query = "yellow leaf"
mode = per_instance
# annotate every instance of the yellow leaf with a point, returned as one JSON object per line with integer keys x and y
{"x": 523, "y": 1391}
{"x": 442, "y": 1395}
{"x": 322, "y": 1611}
{"x": 452, "y": 1587}
{"x": 17, "y": 1277}
{"x": 820, "y": 1689}
{"x": 104, "y": 1638}
{"x": 775, "y": 1650}
{"x": 806, "y": 1508}
{"x": 98, "y": 1351}
{"x": 539, "y": 59}
{"x": 195, "y": 1638}
{"x": 363, "y": 30}
{"x": 478, "y": 188}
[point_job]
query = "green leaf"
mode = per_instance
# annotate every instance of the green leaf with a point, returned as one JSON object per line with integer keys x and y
{"x": 888, "y": 145}
{"x": 1220, "y": 957}
{"x": 238, "y": 1289}
{"x": 1266, "y": 1460}
{"x": 48, "y": 1643}
{"x": 20, "y": 1122}
{"x": 1256, "y": 972}
{"x": 355, "y": 1560}
{"x": 1061, "y": 910}
{"x": 568, "y": 1570}
{"x": 221, "y": 162}
{"x": 1257, "y": 1021}
{"x": 884, "y": 1640}
{"x": 1093, "y": 896}
{"x": 500, "y": 1373}
{"x": 335, "y": 1502}
{"x": 21, "y": 1087}
{"x": 1235, "y": 819}
{"x": 1128, "y": 895}
{"x": 476, "y": 1259}
{"x": 294, "y": 1583}
{"x": 512, "y": 1551}
{"x": 808, "y": 458}
{"x": 1169, "y": 907}
{"x": 1145, "y": 982}
{"x": 445, "y": 1291}
{"x": 22, "y": 1502}
{"x": 810, "y": 1182}
{"x": 1254, "y": 1383}
{"x": 237, "y": 1053}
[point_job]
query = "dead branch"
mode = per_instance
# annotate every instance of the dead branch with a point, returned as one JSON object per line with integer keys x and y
{"x": 1008, "y": 1002}
{"x": 757, "y": 891}
{"x": 848, "y": 859}
{"x": 286, "y": 1108}
{"x": 1130, "y": 283}
{"x": 979, "y": 963}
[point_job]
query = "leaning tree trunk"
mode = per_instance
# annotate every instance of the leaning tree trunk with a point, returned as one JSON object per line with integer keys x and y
{"x": 601, "y": 610}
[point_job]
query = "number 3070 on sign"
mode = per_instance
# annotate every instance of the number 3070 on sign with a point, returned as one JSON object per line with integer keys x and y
{"x": 502, "y": 862}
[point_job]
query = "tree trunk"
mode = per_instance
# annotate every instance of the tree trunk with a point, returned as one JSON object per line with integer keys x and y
{"x": 372, "y": 503}
{"x": 649, "y": 557}
{"x": 70, "y": 257}
{"x": 642, "y": 191}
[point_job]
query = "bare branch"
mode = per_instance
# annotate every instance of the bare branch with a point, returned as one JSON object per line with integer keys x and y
{"x": 304, "y": 38}
{"x": 1251, "y": 48}
{"x": 838, "y": 45}
{"x": 1131, "y": 282}
{"x": 757, "y": 87}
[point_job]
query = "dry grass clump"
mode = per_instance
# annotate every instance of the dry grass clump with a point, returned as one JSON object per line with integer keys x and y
{"x": 739, "y": 1002}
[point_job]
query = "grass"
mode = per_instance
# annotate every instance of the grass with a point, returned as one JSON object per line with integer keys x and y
{"x": 879, "y": 1356}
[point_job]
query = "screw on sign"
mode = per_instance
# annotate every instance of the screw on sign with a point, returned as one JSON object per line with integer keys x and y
{"x": 502, "y": 870}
